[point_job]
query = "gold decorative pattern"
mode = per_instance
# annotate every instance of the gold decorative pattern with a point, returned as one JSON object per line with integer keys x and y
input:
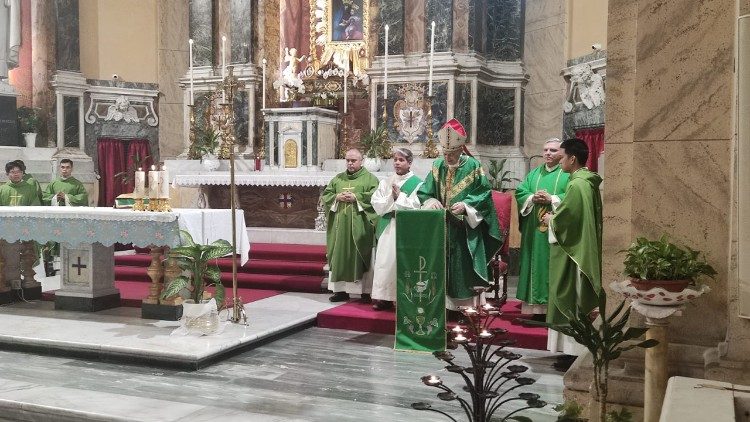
{"x": 321, "y": 35}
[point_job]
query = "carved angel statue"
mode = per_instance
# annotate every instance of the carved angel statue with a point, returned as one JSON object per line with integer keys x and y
{"x": 290, "y": 74}
{"x": 122, "y": 110}
{"x": 589, "y": 87}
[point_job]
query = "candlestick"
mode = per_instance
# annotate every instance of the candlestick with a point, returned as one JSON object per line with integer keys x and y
{"x": 385, "y": 67}
{"x": 223, "y": 66}
{"x": 346, "y": 73}
{"x": 192, "y": 92}
{"x": 164, "y": 183}
{"x": 432, "y": 57}
{"x": 140, "y": 183}
{"x": 264, "y": 83}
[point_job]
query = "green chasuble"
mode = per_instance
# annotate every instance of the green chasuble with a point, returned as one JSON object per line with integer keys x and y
{"x": 533, "y": 280}
{"x": 18, "y": 194}
{"x": 72, "y": 187}
{"x": 351, "y": 231}
{"x": 469, "y": 249}
{"x": 35, "y": 184}
{"x": 575, "y": 266}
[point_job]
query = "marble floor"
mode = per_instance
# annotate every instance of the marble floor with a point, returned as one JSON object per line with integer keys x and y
{"x": 313, "y": 375}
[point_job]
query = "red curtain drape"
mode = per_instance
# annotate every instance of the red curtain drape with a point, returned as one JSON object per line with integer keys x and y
{"x": 111, "y": 156}
{"x": 594, "y": 138}
{"x": 137, "y": 148}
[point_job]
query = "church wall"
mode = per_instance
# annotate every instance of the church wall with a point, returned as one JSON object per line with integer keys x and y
{"x": 21, "y": 76}
{"x": 544, "y": 44}
{"x": 172, "y": 62}
{"x": 89, "y": 31}
{"x": 587, "y": 25}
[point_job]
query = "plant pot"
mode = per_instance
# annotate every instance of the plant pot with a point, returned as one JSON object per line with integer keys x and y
{"x": 30, "y": 139}
{"x": 200, "y": 318}
{"x": 372, "y": 164}
{"x": 210, "y": 162}
{"x": 674, "y": 286}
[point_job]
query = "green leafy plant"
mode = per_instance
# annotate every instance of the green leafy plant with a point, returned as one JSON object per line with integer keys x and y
{"x": 196, "y": 260}
{"x": 28, "y": 120}
{"x": 206, "y": 142}
{"x": 375, "y": 144}
{"x": 623, "y": 415}
{"x": 606, "y": 341}
{"x": 571, "y": 411}
{"x": 498, "y": 175}
{"x": 128, "y": 175}
{"x": 662, "y": 260}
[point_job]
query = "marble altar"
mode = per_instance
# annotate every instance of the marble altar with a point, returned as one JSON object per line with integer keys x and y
{"x": 300, "y": 138}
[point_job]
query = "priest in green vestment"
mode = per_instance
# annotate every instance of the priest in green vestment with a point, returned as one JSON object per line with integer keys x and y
{"x": 30, "y": 179}
{"x": 457, "y": 183}
{"x": 575, "y": 234}
{"x": 66, "y": 190}
{"x": 540, "y": 192}
{"x": 16, "y": 191}
{"x": 351, "y": 229}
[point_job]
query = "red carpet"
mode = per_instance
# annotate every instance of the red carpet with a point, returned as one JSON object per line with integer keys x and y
{"x": 133, "y": 292}
{"x": 358, "y": 316}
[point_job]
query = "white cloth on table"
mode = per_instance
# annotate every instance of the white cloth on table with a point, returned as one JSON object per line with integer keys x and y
{"x": 209, "y": 225}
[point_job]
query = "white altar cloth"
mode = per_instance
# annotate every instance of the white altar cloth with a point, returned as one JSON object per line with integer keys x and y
{"x": 264, "y": 178}
{"x": 85, "y": 225}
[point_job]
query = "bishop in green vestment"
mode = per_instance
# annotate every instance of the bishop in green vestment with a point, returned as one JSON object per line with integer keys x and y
{"x": 575, "y": 232}
{"x": 458, "y": 184}
{"x": 351, "y": 229}
{"x": 66, "y": 190}
{"x": 540, "y": 192}
{"x": 16, "y": 191}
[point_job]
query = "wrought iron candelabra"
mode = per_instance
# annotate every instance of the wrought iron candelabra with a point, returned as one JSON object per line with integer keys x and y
{"x": 492, "y": 378}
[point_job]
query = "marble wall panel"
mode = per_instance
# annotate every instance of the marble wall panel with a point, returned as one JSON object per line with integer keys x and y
{"x": 71, "y": 127}
{"x": 477, "y": 25}
{"x": 691, "y": 206}
{"x": 505, "y": 30}
{"x": 461, "y": 12}
{"x": 462, "y": 104}
{"x": 544, "y": 58}
{"x": 201, "y": 21}
{"x": 617, "y": 197}
{"x": 171, "y": 17}
{"x": 171, "y": 130}
{"x": 241, "y": 26}
{"x": 543, "y": 13}
{"x": 68, "y": 35}
{"x": 295, "y": 26}
{"x": 620, "y": 87}
{"x": 441, "y": 12}
{"x": 495, "y": 111}
{"x": 582, "y": 118}
{"x": 543, "y": 119}
{"x": 414, "y": 26}
{"x": 172, "y": 62}
{"x": 439, "y": 109}
{"x": 241, "y": 123}
{"x": 685, "y": 62}
{"x": 391, "y": 13}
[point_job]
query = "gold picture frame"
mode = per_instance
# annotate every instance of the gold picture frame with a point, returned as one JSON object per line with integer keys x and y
{"x": 339, "y": 29}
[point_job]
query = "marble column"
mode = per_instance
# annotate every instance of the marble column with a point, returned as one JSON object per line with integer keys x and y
{"x": 657, "y": 364}
{"x": 172, "y": 63}
{"x": 43, "y": 57}
{"x": 222, "y": 10}
{"x": 414, "y": 26}
{"x": 461, "y": 26}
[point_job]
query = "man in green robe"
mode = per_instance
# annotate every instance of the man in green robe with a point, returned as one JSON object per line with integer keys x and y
{"x": 351, "y": 229}
{"x": 457, "y": 183}
{"x": 30, "y": 179}
{"x": 540, "y": 192}
{"x": 17, "y": 192}
{"x": 66, "y": 190}
{"x": 575, "y": 232}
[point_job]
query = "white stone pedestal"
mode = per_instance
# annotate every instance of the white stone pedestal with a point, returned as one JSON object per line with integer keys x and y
{"x": 84, "y": 289}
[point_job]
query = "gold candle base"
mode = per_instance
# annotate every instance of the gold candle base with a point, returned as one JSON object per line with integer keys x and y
{"x": 153, "y": 204}
{"x": 164, "y": 205}
{"x": 139, "y": 205}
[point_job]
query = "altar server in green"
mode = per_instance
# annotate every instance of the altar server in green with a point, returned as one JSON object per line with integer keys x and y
{"x": 397, "y": 192}
{"x": 16, "y": 191}
{"x": 575, "y": 232}
{"x": 66, "y": 190}
{"x": 540, "y": 192}
{"x": 351, "y": 230}
{"x": 31, "y": 180}
{"x": 457, "y": 183}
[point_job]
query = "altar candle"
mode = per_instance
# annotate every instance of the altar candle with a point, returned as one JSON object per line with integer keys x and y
{"x": 385, "y": 67}
{"x": 153, "y": 182}
{"x": 264, "y": 83}
{"x": 432, "y": 57}
{"x": 164, "y": 183}
{"x": 192, "y": 95}
{"x": 223, "y": 66}
{"x": 140, "y": 183}
{"x": 346, "y": 72}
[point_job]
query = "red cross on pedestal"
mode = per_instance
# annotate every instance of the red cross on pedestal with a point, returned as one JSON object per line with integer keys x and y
{"x": 286, "y": 200}
{"x": 78, "y": 266}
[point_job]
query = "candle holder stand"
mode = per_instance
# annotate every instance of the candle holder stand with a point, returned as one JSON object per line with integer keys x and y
{"x": 164, "y": 205}
{"x": 430, "y": 149}
{"x": 139, "y": 205}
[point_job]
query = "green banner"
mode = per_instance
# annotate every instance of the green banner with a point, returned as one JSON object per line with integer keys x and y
{"x": 420, "y": 280}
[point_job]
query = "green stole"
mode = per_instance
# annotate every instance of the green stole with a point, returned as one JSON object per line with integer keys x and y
{"x": 407, "y": 188}
{"x": 575, "y": 273}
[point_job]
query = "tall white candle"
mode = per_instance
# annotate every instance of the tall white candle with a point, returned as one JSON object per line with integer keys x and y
{"x": 264, "y": 83}
{"x": 153, "y": 183}
{"x": 164, "y": 183}
{"x": 385, "y": 67}
{"x": 140, "y": 183}
{"x": 432, "y": 57}
{"x": 346, "y": 73}
{"x": 192, "y": 92}
{"x": 224, "y": 65}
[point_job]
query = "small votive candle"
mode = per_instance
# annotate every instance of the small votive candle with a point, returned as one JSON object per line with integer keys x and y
{"x": 434, "y": 380}
{"x": 459, "y": 338}
{"x": 470, "y": 311}
{"x": 458, "y": 329}
{"x": 485, "y": 334}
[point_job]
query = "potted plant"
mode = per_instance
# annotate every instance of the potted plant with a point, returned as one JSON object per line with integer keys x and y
{"x": 498, "y": 176}
{"x": 28, "y": 124}
{"x": 204, "y": 148}
{"x": 199, "y": 261}
{"x": 376, "y": 148}
{"x": 660, "y": 263}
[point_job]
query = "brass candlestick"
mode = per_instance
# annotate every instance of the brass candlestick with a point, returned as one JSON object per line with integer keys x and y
{"x": 193, "y": 152}
{"x": 139, "y": 205}
{"x": 430, "y": 149}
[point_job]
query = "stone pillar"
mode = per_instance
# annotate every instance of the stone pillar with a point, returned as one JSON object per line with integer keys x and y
{"x": 414, "y": 26}
{"x": 172, "y": 62}
{"x": 43, "y": 29}
{"x": 657, "y": 364}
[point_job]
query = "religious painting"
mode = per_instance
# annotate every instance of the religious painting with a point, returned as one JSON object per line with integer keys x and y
{"x": 346, "y": 20}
